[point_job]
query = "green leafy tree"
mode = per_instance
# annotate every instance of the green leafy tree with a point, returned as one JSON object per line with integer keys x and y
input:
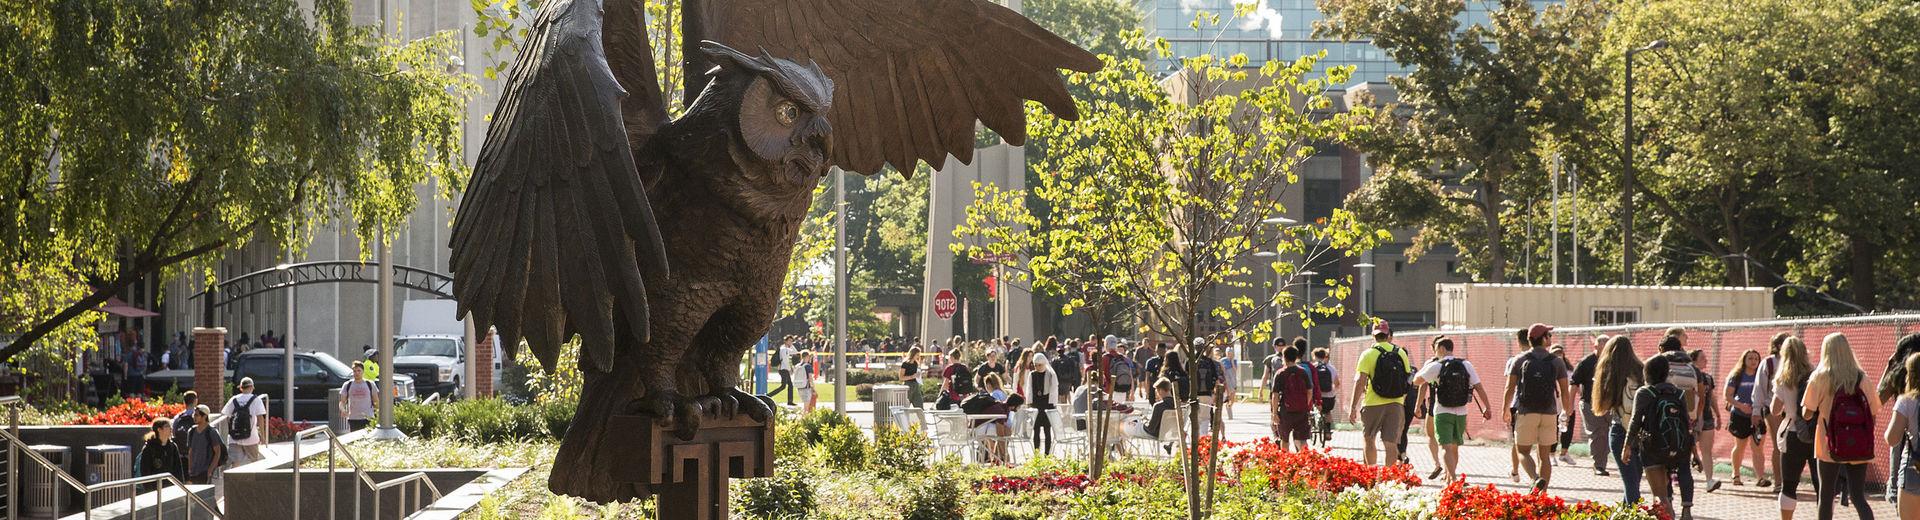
{"x": 1187, "y": 171}
{"x": 1776, "y": 137}
{"x": 141, "y": 138}
{"x": 1480, "y": 104}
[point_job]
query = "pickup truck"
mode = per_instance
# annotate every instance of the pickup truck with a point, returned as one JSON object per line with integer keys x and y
{"x": 313, "y": 372}
{"x": 432, "y": 347}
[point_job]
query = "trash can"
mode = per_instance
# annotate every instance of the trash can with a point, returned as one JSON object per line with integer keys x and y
{"x": 107, "y": 463}
{"x": 885, "y": 397}
{"x": 44, "y": 496}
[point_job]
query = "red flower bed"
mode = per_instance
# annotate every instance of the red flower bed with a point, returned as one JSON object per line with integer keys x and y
{"x": 281, "y": 430}
{"x": 1051, "y": 481}
{"x": 1488, "y": 503}
{"x": 1316, "y": 469}
{"x": 134, "y": 412}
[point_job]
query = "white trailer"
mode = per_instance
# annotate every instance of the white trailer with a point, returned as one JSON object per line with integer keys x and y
{"x": 1487, "y": 305}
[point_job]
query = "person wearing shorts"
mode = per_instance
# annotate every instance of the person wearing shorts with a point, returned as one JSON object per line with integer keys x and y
{"x": 1449, "y": 422}
{"x": 1292, "y": 427}
{"x": 1537, "y": 421}
{"x": 1381, "y": 417}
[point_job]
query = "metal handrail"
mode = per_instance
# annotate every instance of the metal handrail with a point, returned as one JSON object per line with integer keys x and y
{"x": 87, "y": 491}
{"x": 334, "y": 445}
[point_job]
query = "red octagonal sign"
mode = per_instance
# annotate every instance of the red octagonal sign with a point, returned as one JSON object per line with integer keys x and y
{"x": 945, "y": 304}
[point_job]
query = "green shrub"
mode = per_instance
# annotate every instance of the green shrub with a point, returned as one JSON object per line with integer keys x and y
{"x": 930, "y": 390}
{"x": 812, "y": 426}
{"x": 937, "y": 496}
{"x": 898, "y": 452}
{"x": 789, "y": 493}
{"x": 484, "y": 420}
{"x": 842, "y": 447}
{"x": 872, "y": 377}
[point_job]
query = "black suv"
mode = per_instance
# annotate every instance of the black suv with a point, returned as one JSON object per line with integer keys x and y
{"x": 313, "y": 373}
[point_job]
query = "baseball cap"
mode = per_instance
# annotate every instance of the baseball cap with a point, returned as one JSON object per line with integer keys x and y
{"x": 1538, "y": 330}
{"x": 1381, "y": 327}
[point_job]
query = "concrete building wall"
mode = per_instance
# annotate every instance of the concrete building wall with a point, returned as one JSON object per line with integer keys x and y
{"x": 950, "y": 192}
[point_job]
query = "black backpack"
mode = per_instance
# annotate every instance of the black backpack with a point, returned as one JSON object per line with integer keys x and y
{"x": 1206, "y": 373}
{"x": 1389, "y": 378}
{"x": 1067, "y": 368}
{"x": 241, "y": 425}
{"x": 1324, "y": 373}
{"x": 962, "y": 379}
{"x": 1538, "y": 374}
{"x": 1668, "y": 433}
{"x": 1456, "y": 385}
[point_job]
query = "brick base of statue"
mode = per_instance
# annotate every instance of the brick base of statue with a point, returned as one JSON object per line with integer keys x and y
{"x": 689, "y": 478}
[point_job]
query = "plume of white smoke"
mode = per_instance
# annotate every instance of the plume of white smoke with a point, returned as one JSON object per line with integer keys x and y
{"x": 1263, "y": 16}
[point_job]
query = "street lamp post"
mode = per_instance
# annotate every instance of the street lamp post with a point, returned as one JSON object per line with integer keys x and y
{"x": 1273, "y": 314}
{"x": 1310, "y": 281}
{"x": 1628, "y": 181}
{"x": 1366, "y": 287}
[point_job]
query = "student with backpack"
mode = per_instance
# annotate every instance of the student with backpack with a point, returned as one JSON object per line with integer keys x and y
{"x": 1379, "y": 395}
{"x": 1537, "y": 387}
{"x": 1794, "y": 433}
{"x": 1454, "y": 385}
{"x": 1841, "y": 405}
{"x": 1295, "y": 393}
{"x": 1662, "y": 436}
{"x": 1617, "y": 377}
{"x": 248, "y": 421}
{"x": 956, "y": 382}
{"x": 1903, "y": 433}
{"x": 205, "y": 451}
{"x": 1122, "y": 372}
{"x": 356, "y": 401}
{"x": 1323, "y": 372}
{"x": 783, "y": 364}
{"x": 1684, "y": 376}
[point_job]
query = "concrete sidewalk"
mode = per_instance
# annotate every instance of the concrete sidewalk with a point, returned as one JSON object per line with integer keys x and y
{"x": 1488, "y": 464}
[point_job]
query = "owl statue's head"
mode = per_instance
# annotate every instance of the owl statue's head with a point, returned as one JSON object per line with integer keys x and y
{"x": 777, "y": 111}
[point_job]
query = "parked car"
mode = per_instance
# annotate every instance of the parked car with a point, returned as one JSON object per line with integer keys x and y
{"x": 314, "y": 374}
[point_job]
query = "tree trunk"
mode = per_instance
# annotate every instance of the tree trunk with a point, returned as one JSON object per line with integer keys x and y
{"x": 1863, "y": 259}
{"x": 1490, "y": 218}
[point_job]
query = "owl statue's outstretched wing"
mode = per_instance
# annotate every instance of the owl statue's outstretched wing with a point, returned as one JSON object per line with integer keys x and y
{"x": 555, "y": 236}
{"x": 911, "y": 76}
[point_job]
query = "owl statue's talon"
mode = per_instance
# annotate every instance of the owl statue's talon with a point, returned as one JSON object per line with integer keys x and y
{"x": 687, "y": 422}
{"x": 758, "y": 408}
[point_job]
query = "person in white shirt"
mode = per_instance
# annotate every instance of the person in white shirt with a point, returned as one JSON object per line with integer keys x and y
{"x": 1452, "y": 379}
{"x": 785, "y": 366}
{"x": 246, "y": 439}
{"x": 356, "y": 401}
{"x": 804, "y": 384}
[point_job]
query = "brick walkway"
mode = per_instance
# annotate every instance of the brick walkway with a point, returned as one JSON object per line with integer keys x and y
{"x": 1488, "y": 464}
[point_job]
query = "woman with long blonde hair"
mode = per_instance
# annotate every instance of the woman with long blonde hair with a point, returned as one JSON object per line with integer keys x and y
{"x": 1836, "y": 391}
{"x": 1617, "y": 376}
{"x": 1794, "y": 432}
{"x": 1904, "y": 432}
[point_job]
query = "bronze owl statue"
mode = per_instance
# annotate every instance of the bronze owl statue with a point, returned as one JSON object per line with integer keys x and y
{"x": 664, "y": 244}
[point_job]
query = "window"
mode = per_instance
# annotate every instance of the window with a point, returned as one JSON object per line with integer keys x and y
{"x": 1322, "y": 195}
{"x": 305, "y": 368}
{"x": 1399, "y": 265}
{"x": 1616, "y": 316}
{"x": 263, "y": 367}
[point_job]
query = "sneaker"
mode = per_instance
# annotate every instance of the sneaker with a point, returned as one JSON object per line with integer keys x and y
{"x": 1713, "y": 485}
{"x": 1515, "y": 476}
{"x": 1539, "y": 484}
{"x": 1686, "y": 512}
{"x": 1601, "y": 473}
{"x": 1566, "y": 458}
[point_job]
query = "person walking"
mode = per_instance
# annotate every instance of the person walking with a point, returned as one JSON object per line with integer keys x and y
{"x": 356, "y": 402}
{"x": 1617, "y": 377}
{"x": 1709, "y": 419}
{"x": 1740, "y": 410}
{"x": 1229, "y": 376}
{"x": 1903, "y": 432}
{"x": 784, "y": 365}
{"x": 1454, "y": 385}
{"x": 206, "y": 451}
{"x": 807, "y": 370}
{"x": 1842, "y": 407}
{"x": 1563, "y": 447}
{"x": 159, "y": 453}
{"x": 1763, "y": 420}
{"x": 956, "y": 381}
{"x": 1663, "y": 436}
{"x": 1794, "y": 433}
{"x": 1535, "y": 384}
{"x": 1598, "y": 425}
{"x": 1380, "y": 385}
{"x": 1684, "y": 376}
{"x": 1324, "y": 373}
{"x": 910, "y": 375}
{"x": 1295, "y": 394}
{"x": 249, "y": 423}
{"x": 184, "y": 421}
{"x": 1513, "y": 449}
{"x": 1042, "y": 388}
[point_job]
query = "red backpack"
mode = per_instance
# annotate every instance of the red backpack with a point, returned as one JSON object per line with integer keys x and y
{"x": 1295, "y": 387}
{"x": 1850, "y": 427}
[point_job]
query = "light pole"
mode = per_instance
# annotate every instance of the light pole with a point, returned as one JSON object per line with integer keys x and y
{"x": 1746, "y": 268}
{"x": 1266, "y": 278}
{"x": 1366, "y": 287}
{"x": 1626, "y": 186}
{"x": 1310, "y": 281}
{"x": 1273, "y": 315}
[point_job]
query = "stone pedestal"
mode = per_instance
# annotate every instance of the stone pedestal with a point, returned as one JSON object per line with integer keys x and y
{"x": 209, "y": 364}
{"x": 689, "y": 478}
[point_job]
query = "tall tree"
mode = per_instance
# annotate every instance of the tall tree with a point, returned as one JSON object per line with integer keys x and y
{"x": 1176, "y": 206}
{"x": 140, "y": 138}
{"x": 1476, "y": 104}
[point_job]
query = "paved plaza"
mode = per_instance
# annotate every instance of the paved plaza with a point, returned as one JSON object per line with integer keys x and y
{"x": 1488, "y": 464}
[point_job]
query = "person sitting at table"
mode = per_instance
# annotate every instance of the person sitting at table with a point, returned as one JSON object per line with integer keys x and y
{"x": 1149, "y": 427}
{"x": 991, "y": 400}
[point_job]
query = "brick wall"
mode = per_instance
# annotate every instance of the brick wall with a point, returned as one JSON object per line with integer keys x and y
{"x": 483, "y": 366}
{"x": 1872, "y": 338}
{"x": 209, "y": 364}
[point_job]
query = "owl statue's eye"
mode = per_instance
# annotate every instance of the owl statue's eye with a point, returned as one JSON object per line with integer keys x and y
{"x": 786, "y": 112}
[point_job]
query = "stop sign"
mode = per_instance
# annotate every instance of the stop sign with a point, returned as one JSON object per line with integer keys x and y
{"x": 945, "y": 304}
